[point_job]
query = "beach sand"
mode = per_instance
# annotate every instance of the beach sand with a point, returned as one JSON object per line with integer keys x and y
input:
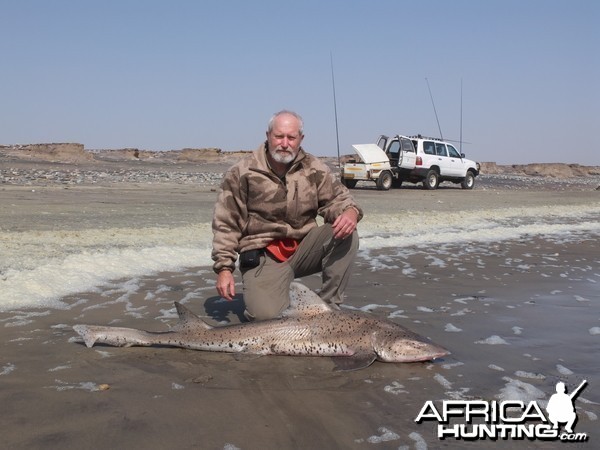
{"x": 518, "y": 315}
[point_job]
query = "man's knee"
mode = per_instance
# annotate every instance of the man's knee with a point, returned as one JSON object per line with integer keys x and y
{"x": 354, "y": 241}
{"x": 346, "y": 248}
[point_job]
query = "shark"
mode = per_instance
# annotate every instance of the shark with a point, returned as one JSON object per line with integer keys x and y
{"x": 308, "y": 327}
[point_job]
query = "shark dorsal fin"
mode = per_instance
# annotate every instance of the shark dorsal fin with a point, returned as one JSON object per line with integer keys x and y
{"x": 304, "y": 302}
{"x": 187, "y": 317}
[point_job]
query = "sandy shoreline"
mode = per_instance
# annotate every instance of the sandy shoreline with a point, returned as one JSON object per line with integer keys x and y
{"x": 162, "y": 204}
{"x": 538, "y": 296}
{"x": 159, "y": 397}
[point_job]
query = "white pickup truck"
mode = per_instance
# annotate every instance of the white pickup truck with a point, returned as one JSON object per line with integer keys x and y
{"x": 414, "y": 159}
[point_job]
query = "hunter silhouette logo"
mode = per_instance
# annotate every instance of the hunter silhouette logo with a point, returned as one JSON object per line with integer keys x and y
{"x": 560, "y": 407}
{"x": 509, "y": 419}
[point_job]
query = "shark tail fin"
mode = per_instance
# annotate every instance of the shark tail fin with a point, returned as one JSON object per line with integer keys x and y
{"x": 187, "y": 316}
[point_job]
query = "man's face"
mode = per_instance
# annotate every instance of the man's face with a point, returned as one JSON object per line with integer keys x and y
{"x": 284, "y": 139}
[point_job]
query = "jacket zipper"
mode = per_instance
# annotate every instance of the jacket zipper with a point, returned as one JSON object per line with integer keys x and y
{"x": 294, "y": 203}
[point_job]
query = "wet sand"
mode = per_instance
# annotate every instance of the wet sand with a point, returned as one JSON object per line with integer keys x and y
{"x": 517, "y": 315}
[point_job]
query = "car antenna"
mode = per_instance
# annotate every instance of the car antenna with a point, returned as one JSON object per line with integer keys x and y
{"x": 434, "y": 110}
{"x": 337, "y": 135}
{"x": 461, "y": 109}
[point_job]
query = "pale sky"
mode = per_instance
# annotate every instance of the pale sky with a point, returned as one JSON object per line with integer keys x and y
{"x": 161, "y": 75}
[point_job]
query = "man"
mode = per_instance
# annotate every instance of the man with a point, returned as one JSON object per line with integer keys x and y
{"x": 266, "y": 212}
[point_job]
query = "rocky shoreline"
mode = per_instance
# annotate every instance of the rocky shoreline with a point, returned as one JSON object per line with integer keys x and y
{"x": 44, "y": 176}
{"x": 71, "y": 164}
{"x": 210, "y": 176}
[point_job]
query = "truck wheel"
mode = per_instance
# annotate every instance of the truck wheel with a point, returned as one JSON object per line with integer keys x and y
{"x": 384, "y": 182}
{"x": 432, "y": 180}
{"x": 350, "y": 184}
{"x": 469, "y": 181}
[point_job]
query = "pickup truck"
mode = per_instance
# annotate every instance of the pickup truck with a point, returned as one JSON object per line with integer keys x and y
{"x": 414, "y": 159}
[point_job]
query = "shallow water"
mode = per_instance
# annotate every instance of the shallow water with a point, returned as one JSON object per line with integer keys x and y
{"x": 517, "y": 315}
{"x": 39, "y": 267}
{"x": 511, "y": 290}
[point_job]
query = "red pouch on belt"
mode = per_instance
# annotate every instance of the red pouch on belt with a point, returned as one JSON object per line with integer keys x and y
{"x": 282, "y": 249}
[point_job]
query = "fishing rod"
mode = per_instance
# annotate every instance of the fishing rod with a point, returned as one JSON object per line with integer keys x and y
{"x": 337, "y": 136}
{"x": 434, "y": 110}
{"x": 460, "y": 141}
{"x": 575, "y": 393}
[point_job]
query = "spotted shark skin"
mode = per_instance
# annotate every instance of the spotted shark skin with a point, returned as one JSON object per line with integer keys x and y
{"x": 310, "y": 327}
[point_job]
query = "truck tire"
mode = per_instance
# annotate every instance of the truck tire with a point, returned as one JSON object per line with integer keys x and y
{"x": 469, "y": 181}
{"x": 384, "y": 182}
{"x": 350, "y": 184}
{"x": 432, "y": 180}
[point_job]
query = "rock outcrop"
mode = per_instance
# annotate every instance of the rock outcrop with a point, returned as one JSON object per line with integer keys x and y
{"x": 555, "y": 170}
{"x": 60, "y": 152}
{"x": 73, "y": 153}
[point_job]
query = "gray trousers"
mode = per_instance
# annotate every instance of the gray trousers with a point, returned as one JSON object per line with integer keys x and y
{"x": 266, "y": 287}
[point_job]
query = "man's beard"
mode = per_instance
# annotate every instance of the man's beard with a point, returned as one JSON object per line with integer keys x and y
{"x": 282, "y": 158}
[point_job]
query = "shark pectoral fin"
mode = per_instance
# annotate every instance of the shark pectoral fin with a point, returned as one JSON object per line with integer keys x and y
{"x": 354, "y": 362}
{"x": 88, "y": 336}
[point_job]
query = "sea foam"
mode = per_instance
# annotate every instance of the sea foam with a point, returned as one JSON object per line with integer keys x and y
{"x": 40, "y": 268}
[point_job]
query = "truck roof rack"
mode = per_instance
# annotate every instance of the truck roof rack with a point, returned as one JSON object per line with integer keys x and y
{"x": 418, "y": 136}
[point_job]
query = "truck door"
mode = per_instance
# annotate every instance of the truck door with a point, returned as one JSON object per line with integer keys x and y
{"x": 409, "y": 154}
{"x": 442, "y": 159}
{"x": 401, "y": 153}
{"x": 456, "y": 166}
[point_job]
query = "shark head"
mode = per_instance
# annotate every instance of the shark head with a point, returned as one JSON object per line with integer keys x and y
{"x": 405, "y": 347}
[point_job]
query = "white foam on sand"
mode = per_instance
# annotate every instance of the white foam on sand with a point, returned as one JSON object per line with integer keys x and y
{"x": 395, "y": 388}
{"x": 7, "y": 368}
{"x": 451, "y": 328}
{"x": 385, "y": 436}
{"x": 89, "y": 386}
{"x": 518, "y": 390}
{"x": 420, "y": 443}
{"x": 39, "y": 268}
{"x": 399, "y": 230}
{"x": 492, "y": 340}
{"x": 563, "y": 370}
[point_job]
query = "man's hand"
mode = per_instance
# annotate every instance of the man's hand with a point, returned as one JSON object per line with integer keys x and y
{"x": 345, "y": 224}
{"x": 226, "y": 284}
